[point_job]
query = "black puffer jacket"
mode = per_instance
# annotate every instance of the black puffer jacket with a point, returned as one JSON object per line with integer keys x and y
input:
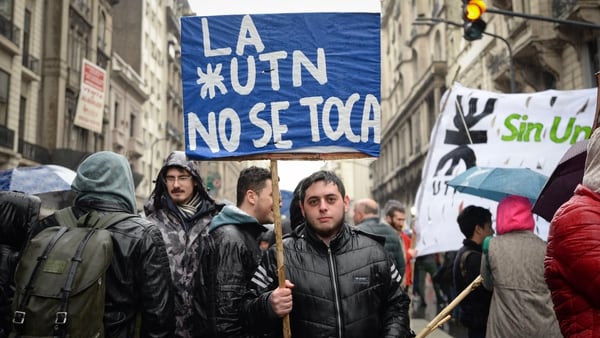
{"x": 349, "y": 289}
{"x": 138, "y": 279}
{"x": 18, "y": 212}
{"x": 234, "y": 260}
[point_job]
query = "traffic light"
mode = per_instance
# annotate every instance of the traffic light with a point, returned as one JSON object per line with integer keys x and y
{"x": 473, "y": 25}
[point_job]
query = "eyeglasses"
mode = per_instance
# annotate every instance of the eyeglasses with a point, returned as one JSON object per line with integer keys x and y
{"x": 183, "y": 178}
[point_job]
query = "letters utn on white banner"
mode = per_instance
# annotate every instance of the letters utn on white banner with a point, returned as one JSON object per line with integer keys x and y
{"x": 90, "y": 105}
{"x": 506, "y": 130}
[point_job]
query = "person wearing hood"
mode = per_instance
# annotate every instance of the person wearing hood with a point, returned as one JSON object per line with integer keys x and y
{"x": 513, "y": 268}
{"x": 137, "y": 282}
{"x": 573, "y": 255}
{"x": 182, "y": 209}
{"x": 236, "y": 231}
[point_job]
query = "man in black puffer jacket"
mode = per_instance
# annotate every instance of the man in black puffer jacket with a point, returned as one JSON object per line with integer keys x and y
{"x": 235, "y": 232}
{"x": 138, "y": 281}
{"x": 340, "y": 282}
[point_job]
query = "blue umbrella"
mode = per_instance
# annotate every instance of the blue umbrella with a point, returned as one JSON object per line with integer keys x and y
{"x": 37, "y": 180}
{"x": 497, "y": 183}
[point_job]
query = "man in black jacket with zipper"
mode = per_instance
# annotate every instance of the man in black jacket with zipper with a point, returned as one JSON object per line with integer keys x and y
{"x": 340, "y": 282}
{"x": 235, "y": 232}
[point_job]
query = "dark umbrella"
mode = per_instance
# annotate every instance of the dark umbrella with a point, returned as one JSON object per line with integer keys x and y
{"x": 562, "y": 182}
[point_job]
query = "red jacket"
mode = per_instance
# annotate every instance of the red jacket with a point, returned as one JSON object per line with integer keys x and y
{"x": 572, "y": 264}
{"x": 408, "y": 276}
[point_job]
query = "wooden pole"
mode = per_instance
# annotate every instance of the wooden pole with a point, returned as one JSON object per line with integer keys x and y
{"x": 597, "y": 115}
{"x": 444, "y": 315}
{"x": 287, "y": 333}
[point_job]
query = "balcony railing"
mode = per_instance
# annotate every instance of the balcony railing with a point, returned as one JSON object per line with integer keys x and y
{"x": 9, "y": 30}
{"x": 7, "y": 137}
{"x": 32, "y": 63}
{"x": 34, "y": 152}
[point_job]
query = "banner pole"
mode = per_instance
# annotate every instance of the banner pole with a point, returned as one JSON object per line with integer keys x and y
{"x": 279, "y": 241}
{"x": 445, "y": 314}
{"x": 597, "y": 114}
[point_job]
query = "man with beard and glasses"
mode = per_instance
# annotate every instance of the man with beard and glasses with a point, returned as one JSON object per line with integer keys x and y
{"x": 340, "y": 281}
{"x": 182, "y": 209}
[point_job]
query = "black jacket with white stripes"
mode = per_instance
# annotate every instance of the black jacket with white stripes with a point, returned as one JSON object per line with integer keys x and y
{"x": 349, "y": 289}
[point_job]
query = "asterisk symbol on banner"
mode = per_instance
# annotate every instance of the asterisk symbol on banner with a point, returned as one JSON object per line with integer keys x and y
{"x": 210, "y": 80}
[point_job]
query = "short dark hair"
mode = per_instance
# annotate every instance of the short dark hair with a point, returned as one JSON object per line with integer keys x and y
{"x": 251, "y": 178}
{"x": 321, "y": 175}
{"x": 391, "y": 208}
{"x": 472, "y": 216}
{"x": 296, "y": 217}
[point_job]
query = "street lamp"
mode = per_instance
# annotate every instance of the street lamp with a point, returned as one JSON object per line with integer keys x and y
{"x": 423, "y": 21}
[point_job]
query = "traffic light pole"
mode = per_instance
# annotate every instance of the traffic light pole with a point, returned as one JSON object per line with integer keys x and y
{"x": 510, "y": 54}
{"x": 543, "y": 18}
{"x": 513, "y": 86}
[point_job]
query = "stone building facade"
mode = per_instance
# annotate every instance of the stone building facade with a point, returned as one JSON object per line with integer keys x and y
{"x": 422, "y": 58}
{"x": 137, "y": 45}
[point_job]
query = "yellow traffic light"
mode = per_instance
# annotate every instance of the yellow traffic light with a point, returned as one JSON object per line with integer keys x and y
{"x": 474, "y": 9}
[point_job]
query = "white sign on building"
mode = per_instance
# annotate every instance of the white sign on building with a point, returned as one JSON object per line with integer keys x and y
{"x": 90, "y": 105}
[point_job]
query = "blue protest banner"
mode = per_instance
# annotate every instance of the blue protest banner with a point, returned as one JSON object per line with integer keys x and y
{"x": 281, "y": 83}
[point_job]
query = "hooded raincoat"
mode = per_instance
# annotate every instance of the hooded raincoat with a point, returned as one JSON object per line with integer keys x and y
{"x": 572, "y": 265}
{"x": 183, "y": 234}
{"x": 137, "y": 281}
{"x": 521, "y": 304}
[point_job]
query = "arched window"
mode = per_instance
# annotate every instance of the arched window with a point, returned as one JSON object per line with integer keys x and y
{"x": 102, "y": 31}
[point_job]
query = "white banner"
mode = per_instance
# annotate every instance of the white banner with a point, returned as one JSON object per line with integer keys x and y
{"x": 90, "y": 105}
{"x": 504, "y": 130}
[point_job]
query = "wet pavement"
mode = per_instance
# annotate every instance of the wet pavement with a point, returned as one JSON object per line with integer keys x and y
{"x": 421, "y": 316}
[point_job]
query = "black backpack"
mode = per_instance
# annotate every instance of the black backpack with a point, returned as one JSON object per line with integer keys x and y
{"x": 60, "y": 278}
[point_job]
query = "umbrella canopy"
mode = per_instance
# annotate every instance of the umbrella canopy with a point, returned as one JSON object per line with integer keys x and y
{"x": 38, "y": 179}
{"x": 563, "y": 181}
{"x": 497, "y": 183}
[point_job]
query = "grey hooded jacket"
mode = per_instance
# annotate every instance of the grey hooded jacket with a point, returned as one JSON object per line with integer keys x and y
{"x": 183, "y": 236}
{"x": 137, "y": 281}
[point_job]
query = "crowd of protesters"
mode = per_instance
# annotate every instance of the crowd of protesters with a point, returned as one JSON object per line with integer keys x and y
{"x": 203, "y": 269}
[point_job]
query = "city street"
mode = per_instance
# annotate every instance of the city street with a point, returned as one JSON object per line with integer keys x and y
{"x": 420, "y": 319}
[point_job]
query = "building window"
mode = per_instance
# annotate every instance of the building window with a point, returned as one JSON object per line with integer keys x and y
{"x": 132, "y": 122}
{"x": 22, "y": 117}
{"x": 26, "y": 34}
{"x": 6, "y": 9}
{"x": 4, "y": 91}
{"x": 117, "y": 114}
{"x": 102, "y": 31}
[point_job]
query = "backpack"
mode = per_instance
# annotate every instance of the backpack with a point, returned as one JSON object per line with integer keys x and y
{"x": 487, "y": 276}
{"x": 60, "y": 278}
